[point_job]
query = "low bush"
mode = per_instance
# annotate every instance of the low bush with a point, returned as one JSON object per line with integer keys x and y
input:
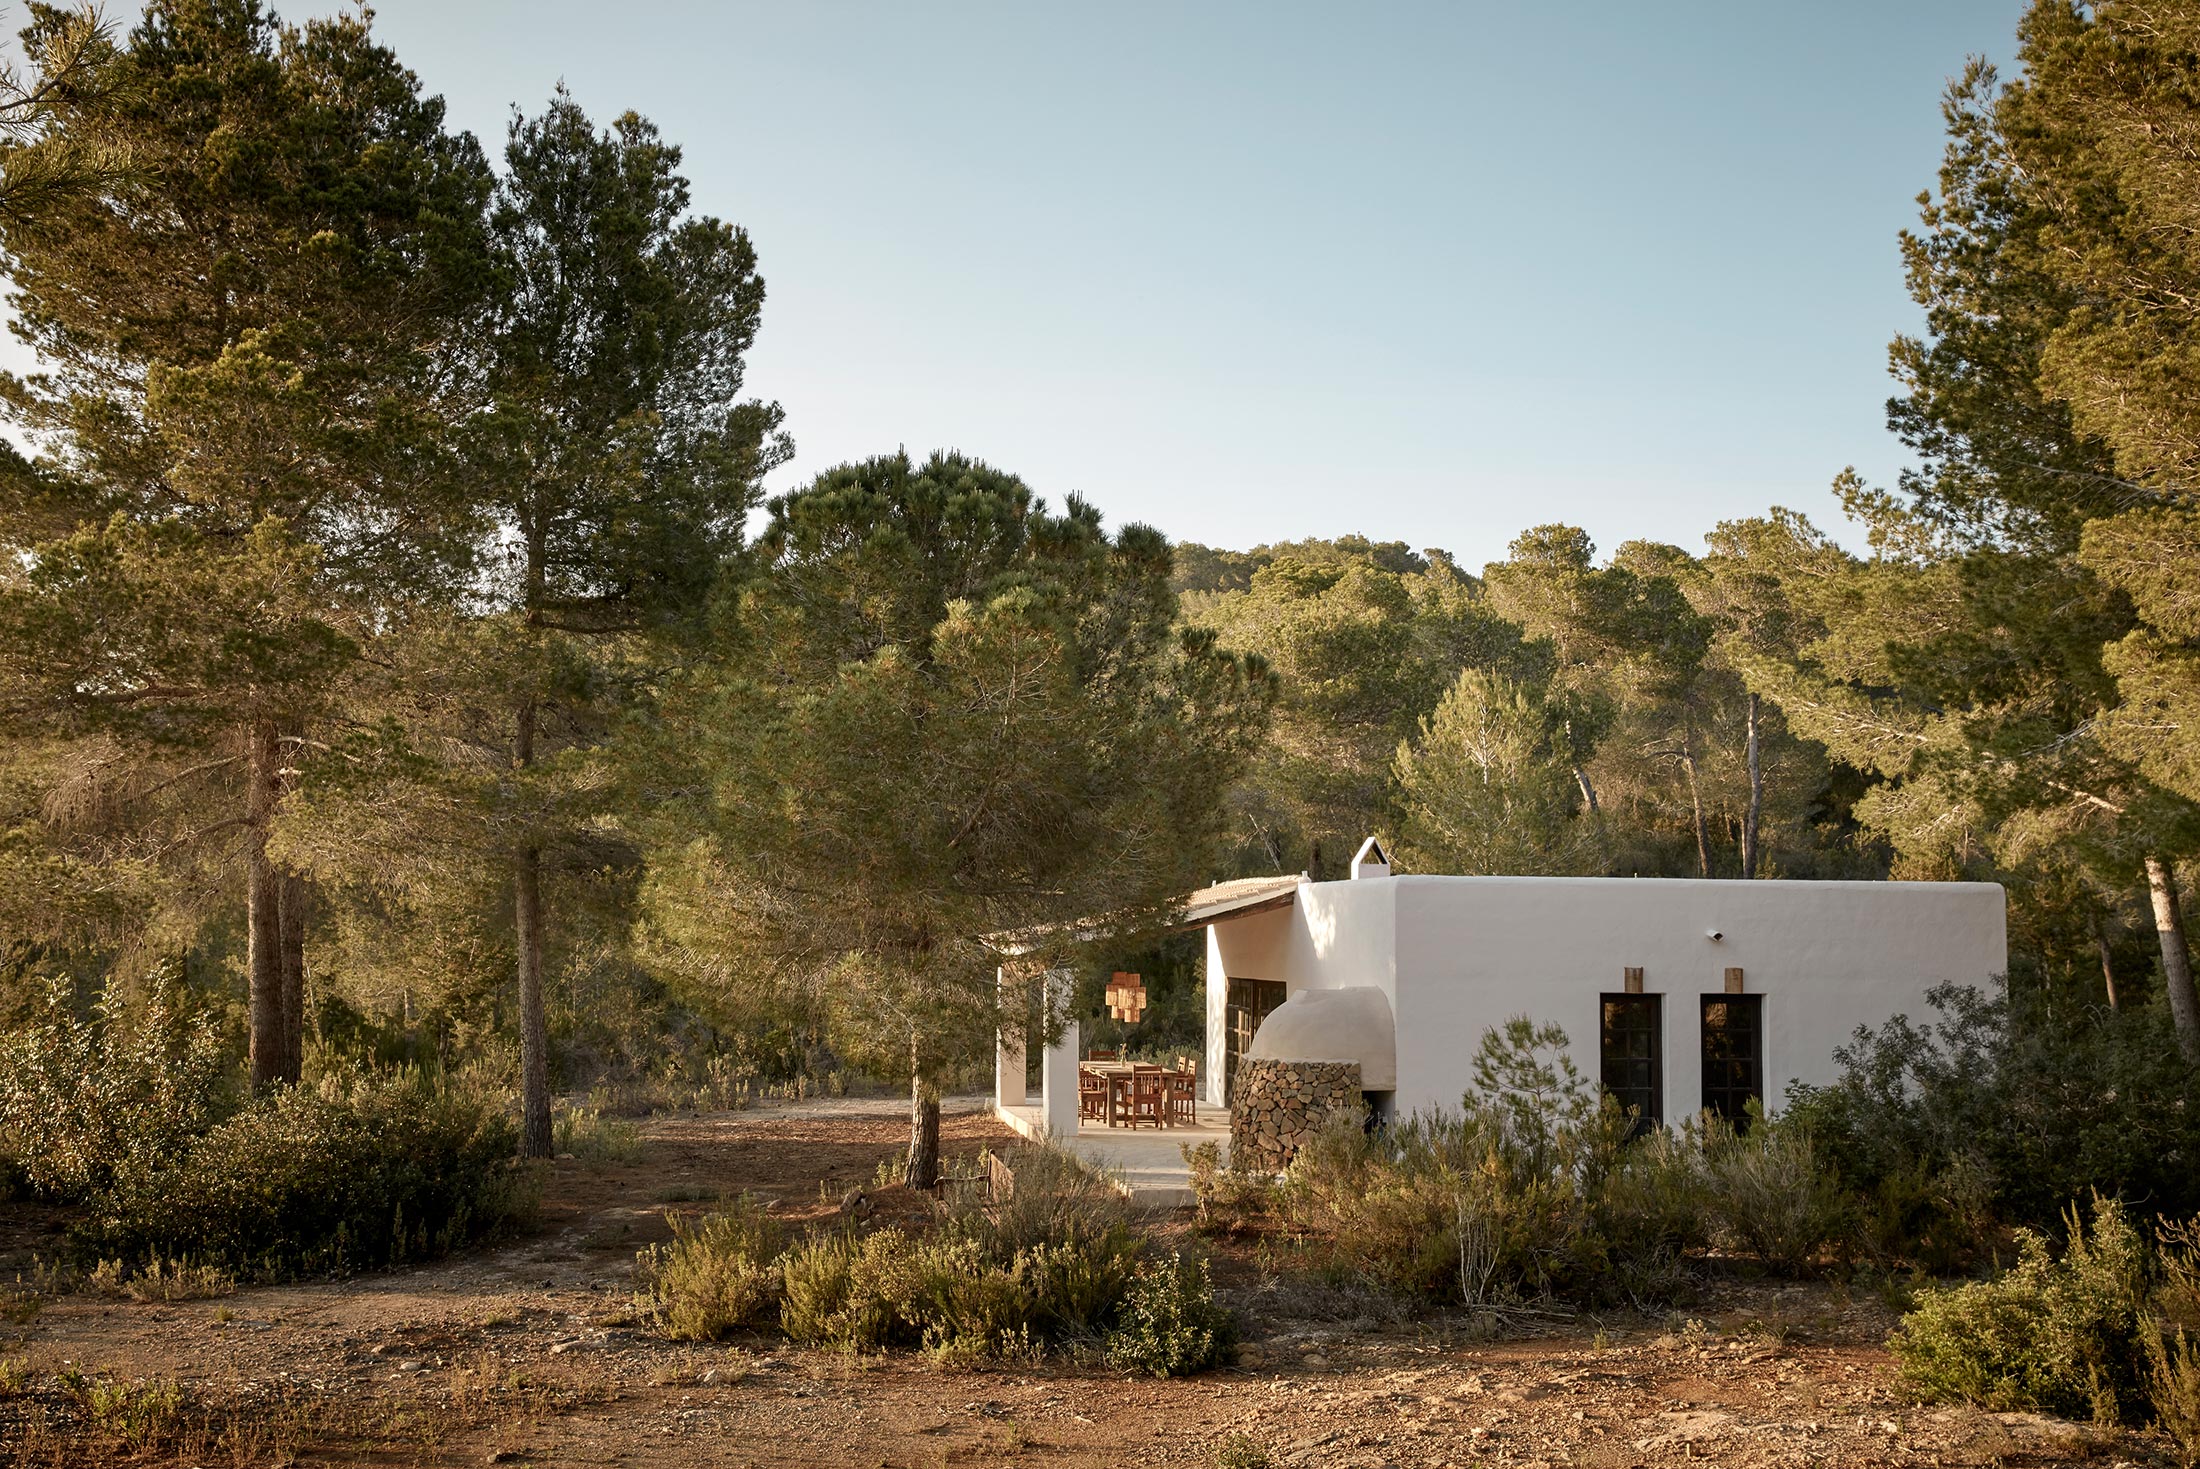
{"x": 356, "y": 1175}
{"x": 1534, "y": 1193}
{"x": 85, "y": 1101}
{"x": 856, "y": 1292}
{"x": 719, "y": 1274}
{"x": 1229, "y": 1200}
{"x": 1653, "y": 1207}
{"x": 2065, "y": 1335}
{"x": 999, "y": 1284}
{"x": 1054, "y": 1265}
{"x": 1485, "y": 1206}
{"x": 2104, "y": 1331}
{"x": 2173, "y": 1389}
{"x": 1768, "y": 1196}
{"x": 133, "y": 1114}
{"x": 1171, "y": 1325}
{"x": 591, "y": 1137}
{"x": 160, "y": 1280}
{"x": 1998, "y": 1111}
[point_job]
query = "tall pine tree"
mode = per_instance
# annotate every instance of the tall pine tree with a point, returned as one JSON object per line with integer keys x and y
{"x": 245, "y": 341}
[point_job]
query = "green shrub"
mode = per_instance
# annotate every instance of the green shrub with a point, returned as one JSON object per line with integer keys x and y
{"x": 718, "y": 1275}
{"x": 1535, "y": 1191}
{"x": 1079, "y": 1288}
{"x": 1490, "y": 1205}
{"x": 856, "y": 1292}
{"x": 350, "y": 1177}
{"x": 160, "y": 1280}
{"x": 1228, "y": 1199}
{"x": 1997, "y": 1099}
{"x": 1172, "y": 1325}
{"x": 2173, "y": 1390}
{"x": 1057, "y": 1263}
{"x": 2065, "y": 1336}
{"x": 1652, "y": 1207}
{"x": 591, "y": 1137}
{"x": 976, "y": 1304}
{"x": 1239, "y": 1452}
{"x": 83, "y": 1102}
{"x": 140, "y": 1414}
{"x": 1768, "y": 1195}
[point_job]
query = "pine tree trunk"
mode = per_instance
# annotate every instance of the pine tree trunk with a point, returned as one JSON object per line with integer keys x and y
{"x": 534, "y": 1026}
{"x": 1695, "y": 798}
{"x": 2108, "y": 961}
{"x": 1581, "y": 774}
{"x": 265, "y": 1043}
{"x": 924, "y": 1127}
{"x": 1755, "y": 813}
{"x": 2169, "y": 924}
{"x": 291, "y": 903}
{"x": 290, "y": 899}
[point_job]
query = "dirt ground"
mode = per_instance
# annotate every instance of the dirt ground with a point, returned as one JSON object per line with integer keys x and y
{"x": 523, "y": 1355}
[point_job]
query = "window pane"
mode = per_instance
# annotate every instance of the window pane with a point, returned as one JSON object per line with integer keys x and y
{"x": 1629, "y": 1056}
{"x": 1733, "y": 1054}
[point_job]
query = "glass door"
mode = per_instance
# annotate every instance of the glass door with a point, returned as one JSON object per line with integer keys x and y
{"x": 1247, "y": 1003}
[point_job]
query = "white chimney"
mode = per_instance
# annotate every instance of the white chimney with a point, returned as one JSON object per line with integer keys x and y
{"x": 1371, "y": 861}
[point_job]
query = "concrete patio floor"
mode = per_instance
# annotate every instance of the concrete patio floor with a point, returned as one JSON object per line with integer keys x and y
{"x": 1147, "y": 1163}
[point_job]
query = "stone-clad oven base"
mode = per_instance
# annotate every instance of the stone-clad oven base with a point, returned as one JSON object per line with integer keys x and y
{"x": 1279, "y": 1104}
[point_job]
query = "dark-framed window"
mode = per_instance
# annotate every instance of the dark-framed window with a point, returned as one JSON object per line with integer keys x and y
{"x": 1733, "y": 1055}
{"x": 1246, "y": 1003}
{"x": 1632, "y": 1052}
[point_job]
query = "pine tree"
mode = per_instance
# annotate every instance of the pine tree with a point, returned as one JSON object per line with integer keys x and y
{"x": 1489, "y": 788}
{"x": 1988, "y": 613}
{"x": 623, "y": 457}
{"x": 1365, "y": 638}
{"x": 613, "y": 465}
{"x": 241, "y": 409}
{"x": 940, "y": 712}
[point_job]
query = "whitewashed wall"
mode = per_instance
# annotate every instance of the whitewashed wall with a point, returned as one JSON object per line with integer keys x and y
{"x": 1335, "y": 934}
{"x": 1460, "y": 954}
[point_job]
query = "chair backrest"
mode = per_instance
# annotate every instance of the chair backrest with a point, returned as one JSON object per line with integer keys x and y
{"x": 1099, "y": 1055}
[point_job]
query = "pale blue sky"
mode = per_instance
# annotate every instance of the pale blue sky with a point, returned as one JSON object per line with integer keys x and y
{"x": 1252, "y": 271}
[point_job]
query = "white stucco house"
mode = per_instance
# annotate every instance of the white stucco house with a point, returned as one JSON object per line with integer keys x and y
{"x": 1676, "y": 994}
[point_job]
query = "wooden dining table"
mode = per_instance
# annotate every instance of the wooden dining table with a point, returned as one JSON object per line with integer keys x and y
{"x": 1117, "y": 1075}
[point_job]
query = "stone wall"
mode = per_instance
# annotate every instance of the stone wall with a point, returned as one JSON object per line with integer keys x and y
{"x": 1280, "y": 1103}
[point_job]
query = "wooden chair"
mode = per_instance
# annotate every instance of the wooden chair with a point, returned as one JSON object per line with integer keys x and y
{"x": 1099, "y": 1055}
{"x": 1183, "y": 1097}
{"x": 1092, "y": 1094}
{"x": 1149, "y": 1097}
